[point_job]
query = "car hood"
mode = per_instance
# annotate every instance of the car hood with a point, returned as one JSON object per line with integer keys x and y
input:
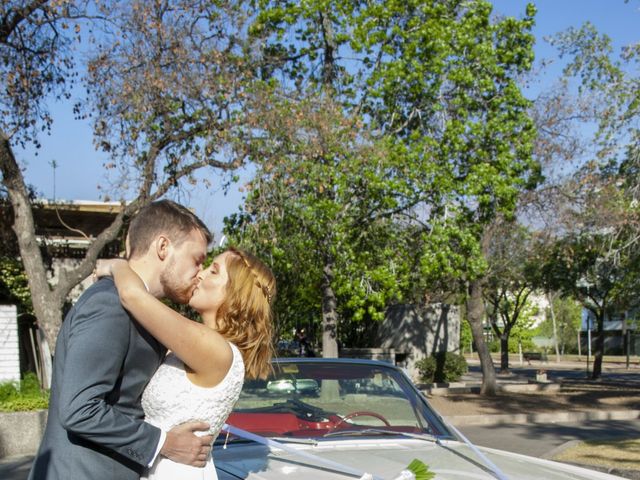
{"x": 386, "y": 459}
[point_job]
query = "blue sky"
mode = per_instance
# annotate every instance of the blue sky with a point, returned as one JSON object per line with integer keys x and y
{"x": 79, "y": 167}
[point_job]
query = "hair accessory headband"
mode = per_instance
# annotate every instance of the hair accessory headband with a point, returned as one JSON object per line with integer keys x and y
{"x": 265, "y": 290}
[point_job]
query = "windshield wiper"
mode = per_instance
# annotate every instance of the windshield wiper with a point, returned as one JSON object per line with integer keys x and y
{"x": 306, "y": 441}
{"x": 420, "y": 436}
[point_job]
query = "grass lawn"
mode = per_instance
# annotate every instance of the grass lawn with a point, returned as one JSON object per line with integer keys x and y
{"x": 622, "y": 454}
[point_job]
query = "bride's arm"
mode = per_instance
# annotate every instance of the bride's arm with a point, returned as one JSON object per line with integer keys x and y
{"x": 202, "y": 349}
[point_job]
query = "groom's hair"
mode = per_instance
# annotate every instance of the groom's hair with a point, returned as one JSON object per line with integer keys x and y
{"x": 162, "y": 217}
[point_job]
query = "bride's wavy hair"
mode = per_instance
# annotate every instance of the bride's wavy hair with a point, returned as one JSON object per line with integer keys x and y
{"x": 246, "y": 314}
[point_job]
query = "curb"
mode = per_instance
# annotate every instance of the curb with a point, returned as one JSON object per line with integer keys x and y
{"x": 21, "y": 432}
{"x": 619, "y": 472}
{"x": 507, "y": 387}
{"x": 554, "y": 417}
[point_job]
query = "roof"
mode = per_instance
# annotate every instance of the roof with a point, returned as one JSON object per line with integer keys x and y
{"x": 75, "y": 220}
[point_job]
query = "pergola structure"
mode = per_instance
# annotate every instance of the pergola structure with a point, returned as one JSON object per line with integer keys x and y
{"x": 67, "y": 228}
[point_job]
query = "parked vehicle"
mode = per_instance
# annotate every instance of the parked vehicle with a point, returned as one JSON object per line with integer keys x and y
{"x": 330, "y": 419}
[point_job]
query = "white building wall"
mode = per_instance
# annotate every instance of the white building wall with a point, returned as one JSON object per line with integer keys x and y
{"x": 9, "y": 351}
{"x": 541, "y": 303}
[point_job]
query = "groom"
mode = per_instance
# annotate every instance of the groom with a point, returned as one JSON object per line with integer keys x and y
{"x": 104, "y": 359}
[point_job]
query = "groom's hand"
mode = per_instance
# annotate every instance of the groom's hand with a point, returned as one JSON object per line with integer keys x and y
{"x": 183, "y": 446}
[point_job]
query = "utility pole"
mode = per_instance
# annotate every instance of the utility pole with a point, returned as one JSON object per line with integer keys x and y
{"x": 588, "y": 341}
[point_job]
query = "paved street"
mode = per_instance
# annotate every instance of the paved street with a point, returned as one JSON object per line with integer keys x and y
{"x": 538, "y": 440}
{"x": 557, "y": 372}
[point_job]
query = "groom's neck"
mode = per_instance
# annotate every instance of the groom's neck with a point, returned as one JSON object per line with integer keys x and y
{"x": 149, "y": 275}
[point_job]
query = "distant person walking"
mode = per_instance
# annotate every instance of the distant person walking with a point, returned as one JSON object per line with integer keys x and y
{"x": 304, "y": 347}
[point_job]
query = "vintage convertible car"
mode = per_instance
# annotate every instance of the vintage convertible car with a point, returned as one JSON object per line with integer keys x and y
{"x": 344, "y": 418}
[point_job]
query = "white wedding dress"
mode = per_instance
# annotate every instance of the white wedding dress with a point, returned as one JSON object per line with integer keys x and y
{"x": 171, "y": 399}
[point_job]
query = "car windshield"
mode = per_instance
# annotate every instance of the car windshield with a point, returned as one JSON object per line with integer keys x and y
{"x": 330, "y": 399}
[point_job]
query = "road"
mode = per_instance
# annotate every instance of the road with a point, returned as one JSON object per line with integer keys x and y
{"x": 538, "y": 440}
{"x": 557, "y": 372}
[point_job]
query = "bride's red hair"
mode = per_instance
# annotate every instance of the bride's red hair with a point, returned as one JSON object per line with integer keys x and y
{"x": 246, "y": 317}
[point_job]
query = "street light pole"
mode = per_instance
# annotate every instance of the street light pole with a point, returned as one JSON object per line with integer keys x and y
{"x": 588, "y": 342}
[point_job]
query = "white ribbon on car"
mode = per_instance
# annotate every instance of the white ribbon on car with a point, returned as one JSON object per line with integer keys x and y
{"x": 238, "y": 432}
{"x": 496, "y": 471}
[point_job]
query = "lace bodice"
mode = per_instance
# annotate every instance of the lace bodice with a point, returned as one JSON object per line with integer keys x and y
{"x": 171, "y": 399}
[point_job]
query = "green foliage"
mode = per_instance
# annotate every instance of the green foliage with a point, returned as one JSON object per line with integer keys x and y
{"x": 22, "y": 396}
{"x": 394, "y": 133}
{"x": 466, "y": 337}
{"x": 494, "y": 345}
{"x": 613, "y": 81}
{"x": 522, "y": 332}
{"x": 596, "y": 261}
{"x": 24, "y": 404}
{"x": 522, "y": 341}
{"x": 442, "y": 367}
{"x": 14, "y": 286}
{"x": 568, "y": 313}
{"x": 590, "y": 267}
{"x": 316, "y": 211}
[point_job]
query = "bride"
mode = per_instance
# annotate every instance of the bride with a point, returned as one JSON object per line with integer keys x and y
{"x": 202, "y": 375}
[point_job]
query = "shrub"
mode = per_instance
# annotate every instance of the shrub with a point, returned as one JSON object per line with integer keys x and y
{"x": 23, "y": 396}
{"x": 442, "y": 367}
{"x": 7, "y": 390}
{"x": 24, "y": 404}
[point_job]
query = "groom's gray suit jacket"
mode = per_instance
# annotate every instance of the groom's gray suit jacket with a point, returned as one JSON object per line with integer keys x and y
{"x": 103, "y": 361}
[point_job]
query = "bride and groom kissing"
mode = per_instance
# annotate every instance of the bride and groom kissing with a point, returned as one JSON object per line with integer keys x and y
{"x": 139, "y": 390}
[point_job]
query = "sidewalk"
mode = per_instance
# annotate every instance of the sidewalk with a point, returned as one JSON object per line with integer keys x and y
{"x": 15, "y": 468}
{"x": 569, "y": 396}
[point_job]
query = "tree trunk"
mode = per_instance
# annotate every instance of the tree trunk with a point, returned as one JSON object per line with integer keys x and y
{"x": 47, "y": 307}
{"x": 329, "y": 313}
{"x": 504, "y": 352}
{"x": 599, "y": 350}
{"x": 475, "y": 314}
{"x": 555, "y": 326}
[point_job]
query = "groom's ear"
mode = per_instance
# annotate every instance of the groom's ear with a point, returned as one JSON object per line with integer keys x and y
{"x": 163, "y": 245}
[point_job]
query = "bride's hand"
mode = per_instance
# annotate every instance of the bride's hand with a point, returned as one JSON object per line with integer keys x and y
{"x": 104, "y": 267}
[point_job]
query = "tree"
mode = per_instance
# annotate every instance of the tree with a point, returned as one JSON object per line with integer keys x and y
{"x": 338, "y": 195}
{"x": 316, "y": 209}
{"x": 568, "y": 318}
{"x": 472, "y": 127}
{"x": 585, "y": 267}
{"x": 437, "y": 82}
{"x": 510, "y": 281}
{"x": 165, "y": 85}
{"x": 596, "y": 253}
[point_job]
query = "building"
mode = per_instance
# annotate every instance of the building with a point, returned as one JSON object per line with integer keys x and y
{"x": 621, "y": 332}
{"x": 410, "y": 333}
{"x": 68, "y": 228}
